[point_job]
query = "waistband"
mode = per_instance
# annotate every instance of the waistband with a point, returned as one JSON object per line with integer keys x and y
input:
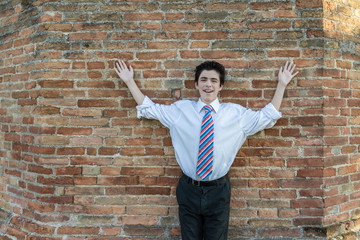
{"x": 219, "y": 181}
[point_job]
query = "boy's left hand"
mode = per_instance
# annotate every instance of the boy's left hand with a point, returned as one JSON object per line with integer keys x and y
{"x": 286, "y": 73}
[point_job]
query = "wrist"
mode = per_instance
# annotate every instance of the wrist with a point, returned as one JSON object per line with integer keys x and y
{"x": 281, "y": 85}
{"x": 130, "y": 82}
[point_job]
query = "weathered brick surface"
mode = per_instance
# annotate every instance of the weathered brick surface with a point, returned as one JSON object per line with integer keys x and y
{"x": 77, "y": 164}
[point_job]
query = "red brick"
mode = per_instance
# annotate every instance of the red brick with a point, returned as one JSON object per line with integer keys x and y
{"x": 142, "y": 171}
{"x": 335, "y": 141}
{"x": 147, "y": 190}
{"x": 96, "y": 84}
{"x": 301, "y": 183}
{"x": 55, "y": 181}
{"x": 108, "y": 151}
{"x": 117, "y": 180}
{"x": 56, "y": 199}
{"x": 284, "y": 53}
{"x": 132, "y": 151}
{"x": 51, "y": 161}
{"x": 154, "y": 151}
{"x": 42, "y": 150}
{"x": 307, "y": 203}
{"x": 270, "y": 5}
{"x": 89, "y": 161}
{"x": 305, "y": 4}
{"x": 209, "y": 35}
{"x": 182, "y": 26}
{"x": 88, "y": 36}
{"x": 84, "y": 180}
{"x": 65, "y": 230}
{"x": 110, "y": 171}
{"x": 56, "y": 84}
{"x": 41, "y": 207}
{"x": 144, "y": 231}
{"x": 336, "y": 181}
{"x": 98, "y": 103}
{"x": 100, "y": 210}
{"x": 69, "y": 208}
{"x": 307, "y": 221}
{"x": 257, "y": 183}
{"x": 267, "y": 162}
{"x": 307, "y": 121}
{"x": 310, "y": 173}
{"x": 336, "y": 160}
{"x": 156, "y": 55}
{"x": 219, "y": 54}
{"x": 336, "y": 200}
{"x": 39, "y": 169}
{"x": 68, "y": 171}
{"x": 143, "y": 16}
{"x": 270, "y": 24}
{"x": 130, "y": 36}
{"x": 74, "y": 131}
{"x": 271, "y": 194}
{"x": 42, "y": 130}
{"x": 95, "y": 65}
{"x": 71, "y": 151}
{"x": 150, "y": 26}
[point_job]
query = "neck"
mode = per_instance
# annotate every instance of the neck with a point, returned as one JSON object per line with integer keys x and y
{"x": 207, "y": 102}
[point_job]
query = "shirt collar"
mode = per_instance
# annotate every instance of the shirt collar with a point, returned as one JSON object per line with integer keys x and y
{"x": 215, "y": 105}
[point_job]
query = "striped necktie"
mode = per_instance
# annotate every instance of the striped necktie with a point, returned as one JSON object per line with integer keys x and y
{"x": 206, "y": 146}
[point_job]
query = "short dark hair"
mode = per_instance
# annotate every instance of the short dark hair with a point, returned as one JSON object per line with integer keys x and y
{"x": 211, "y": 65}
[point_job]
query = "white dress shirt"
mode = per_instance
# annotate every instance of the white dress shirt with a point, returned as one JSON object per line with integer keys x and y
{"x": 232, "y": 124}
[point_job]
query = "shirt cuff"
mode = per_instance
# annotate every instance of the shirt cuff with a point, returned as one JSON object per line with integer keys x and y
{"x": 145, "y": 104}
{"x": 271, "y": 112}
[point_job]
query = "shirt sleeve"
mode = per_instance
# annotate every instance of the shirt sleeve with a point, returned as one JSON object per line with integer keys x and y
{"x": 166, "y": 114}
{"x": 255, "y": 121}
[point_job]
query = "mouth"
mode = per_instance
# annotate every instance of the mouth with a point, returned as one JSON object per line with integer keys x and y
{"x": 208, "y": 91}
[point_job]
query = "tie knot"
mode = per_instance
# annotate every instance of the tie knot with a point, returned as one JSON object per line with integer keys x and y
{"x": 208, "y": 108}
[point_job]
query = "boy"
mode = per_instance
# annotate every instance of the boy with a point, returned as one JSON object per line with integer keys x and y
{"x": 206, "y": 136}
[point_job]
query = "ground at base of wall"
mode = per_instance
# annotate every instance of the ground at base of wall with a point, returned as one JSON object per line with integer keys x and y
{"x": 10, "y": 229}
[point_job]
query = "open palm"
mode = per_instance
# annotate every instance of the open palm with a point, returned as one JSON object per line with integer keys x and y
{"x": 126, "y": 74}
{"x": 286, "y": 73}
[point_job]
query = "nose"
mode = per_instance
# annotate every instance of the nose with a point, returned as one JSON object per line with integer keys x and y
{"x": 208, "y": 83}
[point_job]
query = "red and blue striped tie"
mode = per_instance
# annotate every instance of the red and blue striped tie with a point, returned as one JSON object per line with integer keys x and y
{"x": 206, "y": 146}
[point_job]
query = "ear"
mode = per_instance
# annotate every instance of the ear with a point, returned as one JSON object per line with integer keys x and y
{"x": 196, "y": 85}
{"x": 221, "y": 87}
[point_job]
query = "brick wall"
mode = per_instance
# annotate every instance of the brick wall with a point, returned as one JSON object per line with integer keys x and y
{"x": 77, "y": 164}
{"x": 341, "y": 118}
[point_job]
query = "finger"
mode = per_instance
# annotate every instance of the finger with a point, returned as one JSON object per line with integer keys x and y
{"x": 124, "y": 66}
{"x": 118, "y": 63}
{"x": 131, "y": 68}
{"x": 118, "y": 66}
{"x": 286, "y": 65}
{"x": 281, "y": 70}
{"x": 294, "y": 74}
{"x": 293, "y": 68}
{"x": 290, "y": 65}
{"x": 117, "y": 72}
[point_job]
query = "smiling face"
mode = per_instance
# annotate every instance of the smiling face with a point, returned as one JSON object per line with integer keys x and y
{"x": 208, "y": 85}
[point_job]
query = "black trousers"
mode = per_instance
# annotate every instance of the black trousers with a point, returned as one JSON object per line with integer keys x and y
{"x": 204, "y": 210}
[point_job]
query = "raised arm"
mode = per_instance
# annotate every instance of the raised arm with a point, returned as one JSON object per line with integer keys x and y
{"x": 285, "y": 76}
{"x": 127, "y": 76}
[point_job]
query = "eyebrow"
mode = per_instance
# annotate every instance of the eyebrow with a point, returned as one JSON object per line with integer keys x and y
{"x": 210, "y": 78}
